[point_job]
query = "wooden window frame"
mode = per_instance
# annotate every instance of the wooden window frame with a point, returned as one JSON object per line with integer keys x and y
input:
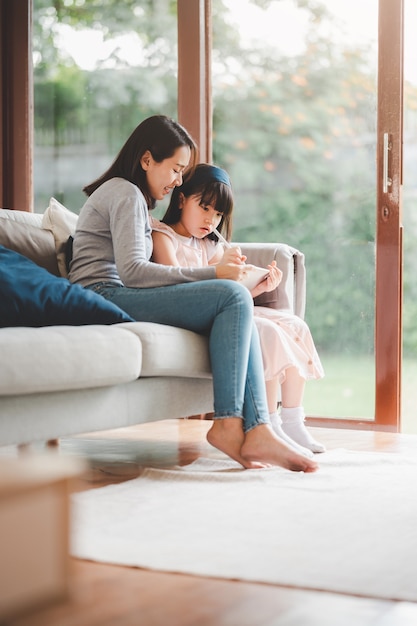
{"x": 16, "y": 106}
{"x": 389, "y": 243}
{"x": 194, "y": 72}
{"x": 195, "y": 113}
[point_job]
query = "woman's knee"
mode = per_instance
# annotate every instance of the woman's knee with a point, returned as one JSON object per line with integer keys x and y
{"x": 232, "y": 293}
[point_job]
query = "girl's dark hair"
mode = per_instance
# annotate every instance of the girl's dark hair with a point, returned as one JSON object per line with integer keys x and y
{"x": 212, "y": 185}
{"x": 160, "y": 135}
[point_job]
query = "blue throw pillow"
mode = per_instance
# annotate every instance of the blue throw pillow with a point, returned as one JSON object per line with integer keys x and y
{"x": 32, "y": 296}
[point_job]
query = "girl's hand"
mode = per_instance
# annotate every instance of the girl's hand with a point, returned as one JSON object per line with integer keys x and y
{"x": 270, "y": 283}
{"x": 233, "y": 255}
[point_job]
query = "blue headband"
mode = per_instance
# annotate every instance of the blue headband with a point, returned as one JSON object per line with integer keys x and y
{"x": 208, "y": 173}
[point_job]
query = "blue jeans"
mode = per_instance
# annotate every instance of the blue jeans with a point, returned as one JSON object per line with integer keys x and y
{"x": 222, "y": 310}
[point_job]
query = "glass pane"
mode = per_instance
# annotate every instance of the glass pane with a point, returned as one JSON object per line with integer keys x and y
{"x": 99, "y": 70}
{"x": 409, "y": 375}
{"x": 295, "y": 125}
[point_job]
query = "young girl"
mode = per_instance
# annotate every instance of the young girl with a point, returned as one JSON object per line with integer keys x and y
{"x": 112, "y": 252}
{"x": 185, "y": 237}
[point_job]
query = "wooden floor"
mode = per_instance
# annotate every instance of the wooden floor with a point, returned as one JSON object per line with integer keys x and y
{"x": 107, "y": 595}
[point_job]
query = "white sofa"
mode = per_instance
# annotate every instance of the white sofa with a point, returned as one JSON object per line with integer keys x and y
{"x": 57, "y": 381}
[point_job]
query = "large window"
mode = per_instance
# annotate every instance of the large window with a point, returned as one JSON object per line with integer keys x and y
{"x": 295, "y": 124}
{"x": 99, "y": 70}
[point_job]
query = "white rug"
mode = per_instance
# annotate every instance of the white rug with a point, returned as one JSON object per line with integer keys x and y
{"x": 349, "y": 528}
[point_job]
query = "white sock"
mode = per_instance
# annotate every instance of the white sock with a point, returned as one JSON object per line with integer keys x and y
{"x": 293, "y": 425}
{"x": 276, "y": 426}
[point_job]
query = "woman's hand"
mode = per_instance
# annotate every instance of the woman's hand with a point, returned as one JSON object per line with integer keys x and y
{"x": 232, "y": 271}
{"x": 270, "y": 283}
{"x": 232, "y": 264}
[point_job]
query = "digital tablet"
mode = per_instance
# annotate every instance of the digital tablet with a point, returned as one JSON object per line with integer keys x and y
{"x": 254, "y": 276}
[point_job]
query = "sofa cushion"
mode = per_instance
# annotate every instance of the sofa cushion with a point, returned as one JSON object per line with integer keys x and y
{"x": 60, "y": 358}
{"x": 28, "y": 239}
{"x": 62, "y": 223}
{"x": 169, "y": 351}
{"x": 22, "y": 217}
{"x": 31, "y": 296}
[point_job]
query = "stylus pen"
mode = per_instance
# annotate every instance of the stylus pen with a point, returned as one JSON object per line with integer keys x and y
{"x": 222, "y": 239}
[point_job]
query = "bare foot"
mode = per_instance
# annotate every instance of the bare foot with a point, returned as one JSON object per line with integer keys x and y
{"x": 263, "y": 445}
{"x": 227, "y": 436}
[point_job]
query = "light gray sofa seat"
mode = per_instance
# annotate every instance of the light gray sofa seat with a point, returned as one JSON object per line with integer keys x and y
{"x": 169, "y": 351}
{"x": 60, "y": 358}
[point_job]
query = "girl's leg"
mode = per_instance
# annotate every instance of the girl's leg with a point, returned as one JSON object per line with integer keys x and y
{"x": 289, "y": 393}
{"x": 294, "y": 427}
{"x": 292, "y": 412}
{"x": 288, "y": 352}
{"x": 290, "y": 424}
{"x": 272, "y": 388}
{"x": 292, "y": 388}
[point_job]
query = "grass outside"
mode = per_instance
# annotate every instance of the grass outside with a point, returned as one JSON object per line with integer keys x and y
{"x": 348, "y": 390}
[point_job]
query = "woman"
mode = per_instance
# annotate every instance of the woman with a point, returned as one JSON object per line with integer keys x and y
{"x": 112, "y": 253}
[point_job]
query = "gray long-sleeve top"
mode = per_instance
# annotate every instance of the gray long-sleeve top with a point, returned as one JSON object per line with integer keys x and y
{"x": 113, "y": 242}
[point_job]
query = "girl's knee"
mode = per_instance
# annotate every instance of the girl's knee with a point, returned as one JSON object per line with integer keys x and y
{"x": 269, "y": 334}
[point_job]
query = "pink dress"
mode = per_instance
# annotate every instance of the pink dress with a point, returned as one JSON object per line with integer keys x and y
{"x": 285, "y": 338}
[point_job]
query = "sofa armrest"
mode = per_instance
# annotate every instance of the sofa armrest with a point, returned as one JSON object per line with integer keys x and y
{"x": 291, "y": 292}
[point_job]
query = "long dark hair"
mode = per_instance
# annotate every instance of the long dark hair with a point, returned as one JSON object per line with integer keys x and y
{"x": 160, "y": 135}
{"x": 212, "y": 185}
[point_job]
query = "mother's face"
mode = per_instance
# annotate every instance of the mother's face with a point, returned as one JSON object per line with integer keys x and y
{"x": 164, "y": 176}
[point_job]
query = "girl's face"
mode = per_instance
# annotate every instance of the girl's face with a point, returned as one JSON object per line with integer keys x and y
{"x": 197, "y": 220}
{"x": 164, "y": 176}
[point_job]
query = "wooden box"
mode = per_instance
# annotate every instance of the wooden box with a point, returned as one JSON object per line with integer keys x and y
{"x": 34, "y": 530}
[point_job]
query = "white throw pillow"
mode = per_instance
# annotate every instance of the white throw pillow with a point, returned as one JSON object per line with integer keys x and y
{"x": 62, "y": 223}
